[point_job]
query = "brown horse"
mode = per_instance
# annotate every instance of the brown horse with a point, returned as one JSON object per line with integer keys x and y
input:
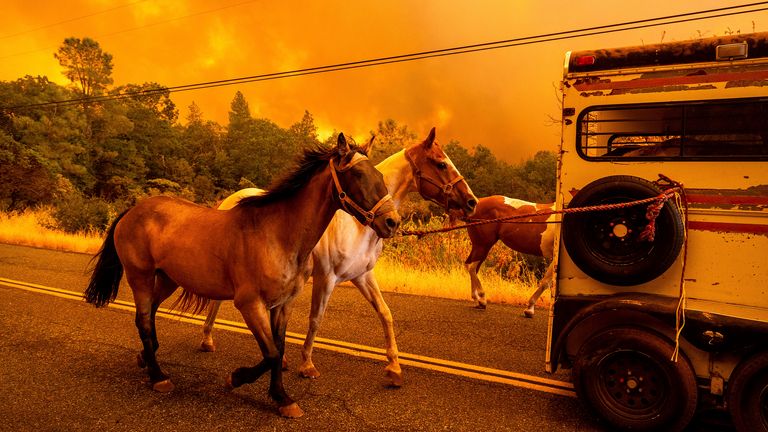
{"x": 532, "y": 235}
{"x": 255, "y": 254}
{"x": 349, "y": 251}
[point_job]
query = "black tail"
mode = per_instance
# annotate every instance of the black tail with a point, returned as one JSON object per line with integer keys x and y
{"x": 107, "y": 272}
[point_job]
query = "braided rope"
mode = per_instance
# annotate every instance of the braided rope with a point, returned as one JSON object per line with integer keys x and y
{"x": 658, "y": 201}
{"x": 672, "y": 189}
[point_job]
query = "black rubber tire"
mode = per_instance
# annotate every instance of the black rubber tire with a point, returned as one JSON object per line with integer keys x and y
{"x": 748, "y": 394}
{"x": 621, "y": 259}
{"x": 626, "y": 377}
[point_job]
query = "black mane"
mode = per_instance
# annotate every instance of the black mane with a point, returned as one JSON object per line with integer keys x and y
{"x": 306, "y": 166}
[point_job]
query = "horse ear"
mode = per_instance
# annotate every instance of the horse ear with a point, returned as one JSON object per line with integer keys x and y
{"x": 430, "y": 139}
{"x": 342, "y": 146}
{"x": 368, "y": 147}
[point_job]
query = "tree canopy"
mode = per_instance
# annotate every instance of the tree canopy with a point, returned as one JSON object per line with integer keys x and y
{"x": 107, "y": 152}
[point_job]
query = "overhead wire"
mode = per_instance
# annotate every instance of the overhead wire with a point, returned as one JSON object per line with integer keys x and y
{"x": 527, "y": 40}
{"x": 152, "y": 24}
{"x": 69, "y": 20}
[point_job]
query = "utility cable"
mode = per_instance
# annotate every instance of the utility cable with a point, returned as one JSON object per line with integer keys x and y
{"x": 528, "y": 40}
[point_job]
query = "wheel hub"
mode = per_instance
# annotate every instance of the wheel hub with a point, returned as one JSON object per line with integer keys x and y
{"x": 619, "y": 230}
{"x": 633, "y": 381}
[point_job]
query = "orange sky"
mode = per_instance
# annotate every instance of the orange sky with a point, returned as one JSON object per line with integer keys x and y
{"x": 500, "y": 98}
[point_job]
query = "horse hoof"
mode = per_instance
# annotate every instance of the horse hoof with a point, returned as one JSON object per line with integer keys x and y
{"x": 310, "y": 372}
{"x": 140, "y": 361}
{"x": 528, "y": 313}
{"x": 163, "y": 386}
{"x": 481, "y": 306}
{"x": 395, "y": 378}
{"x": 291, "y": 411}
{"x": 229, "y": 385}
{"x": 285, "y": 364}
{"x": 207, "y": 346}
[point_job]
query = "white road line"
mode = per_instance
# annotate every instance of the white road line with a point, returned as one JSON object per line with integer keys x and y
{"x": 446, "y": 366}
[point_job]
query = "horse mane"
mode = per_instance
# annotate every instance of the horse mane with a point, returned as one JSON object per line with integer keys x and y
{"x": 311, "y": 161}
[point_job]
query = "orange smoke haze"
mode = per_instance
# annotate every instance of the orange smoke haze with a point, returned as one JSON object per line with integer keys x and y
{"x": 501, "y": 99}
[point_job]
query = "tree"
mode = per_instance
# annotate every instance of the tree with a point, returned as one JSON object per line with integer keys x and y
{"x": 24, "y": 179}
{"x": 258, "y": 149}
{"x": 538, "y": 175}
{"x": 240, "y": 112}
{"x": 390, "y": 139}
{"x": 202, "y": 143}
{"x": 56, "y": 134}
{"x": 86, "y": 65}
{"x": 304, "y": 133}
{"x": 152, "y": 97}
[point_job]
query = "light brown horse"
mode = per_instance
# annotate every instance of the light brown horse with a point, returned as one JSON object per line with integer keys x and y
{"x": 532, "y": 235}
{"x": 255, "y": 254}
{"x": 348, "y": 251}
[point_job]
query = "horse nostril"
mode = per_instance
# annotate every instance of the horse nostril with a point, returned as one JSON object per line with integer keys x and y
{"x": 471, "y": 204}
{"x": 391, "y": 223}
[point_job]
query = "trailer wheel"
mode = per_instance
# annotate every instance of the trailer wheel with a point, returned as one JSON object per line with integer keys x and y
{"x": 606, "y": 244}
{"x": 748, "y": 394}
{"x": 626, "y": 377}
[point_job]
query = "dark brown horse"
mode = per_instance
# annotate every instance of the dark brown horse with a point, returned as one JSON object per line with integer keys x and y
{"x": 255, "y": 254}
{"x": 533, "y": 236}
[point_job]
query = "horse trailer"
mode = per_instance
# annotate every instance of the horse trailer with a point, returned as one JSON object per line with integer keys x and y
{"x": 660, "y": 297}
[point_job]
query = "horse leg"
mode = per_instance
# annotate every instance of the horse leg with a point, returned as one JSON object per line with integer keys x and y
{"x": 147, "y": 302}
{"x": 472, "y": 264}
{"x": 322, "y": 287}
{"x": 257, "y": 318}
{"x": 207, "y": 344}
{"x": 370, "y": 289}
{"x": 545, "y": 282}
{"x": 279, "y": 319}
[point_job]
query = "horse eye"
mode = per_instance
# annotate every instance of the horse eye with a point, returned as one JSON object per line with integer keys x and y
{"x": 442, "y": 165}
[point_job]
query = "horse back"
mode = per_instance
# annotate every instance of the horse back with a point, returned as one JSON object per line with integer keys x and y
{"x": 177, "y": 237}
{"x": 528, "y": 234}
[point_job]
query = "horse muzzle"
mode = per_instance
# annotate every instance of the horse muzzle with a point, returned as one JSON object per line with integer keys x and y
{"x": 386, "y": 224}
{"x": 464, "y": 201}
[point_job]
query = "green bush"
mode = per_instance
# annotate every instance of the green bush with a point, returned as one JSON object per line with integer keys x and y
{"x": 76, "y": 213}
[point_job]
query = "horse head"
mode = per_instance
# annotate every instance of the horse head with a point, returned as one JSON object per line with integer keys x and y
{"x": 437, "y": 178}
{"x": 360, "y": 189}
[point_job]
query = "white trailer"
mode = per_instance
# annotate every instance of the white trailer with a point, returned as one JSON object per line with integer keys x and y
{"x": 655, "y": 328}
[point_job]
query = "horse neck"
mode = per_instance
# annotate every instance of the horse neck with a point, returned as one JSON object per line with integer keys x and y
{"x": 303, "y": 217}
{"x": 398, "y": 176}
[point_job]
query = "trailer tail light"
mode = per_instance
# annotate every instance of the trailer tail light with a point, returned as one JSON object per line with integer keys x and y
{"x": 585, "y": 60}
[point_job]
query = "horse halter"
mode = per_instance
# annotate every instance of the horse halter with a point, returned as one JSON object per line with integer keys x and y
{"x": 446, "y": 188}
{"x": 368, "y": 215}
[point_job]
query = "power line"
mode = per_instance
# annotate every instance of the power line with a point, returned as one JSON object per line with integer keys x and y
{"x": 71, "y": 20}
{"x": 465, "y": 49}
{"x": 179, "y": 18}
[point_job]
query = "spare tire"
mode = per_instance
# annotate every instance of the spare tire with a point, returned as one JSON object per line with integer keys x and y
{"x": 606, "y": 244}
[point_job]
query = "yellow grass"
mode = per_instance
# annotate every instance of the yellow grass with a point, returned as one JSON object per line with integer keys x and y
{"x": 453, "y": 283}
{"x": 34, "y": 228}
{"x": 403, "y": 268}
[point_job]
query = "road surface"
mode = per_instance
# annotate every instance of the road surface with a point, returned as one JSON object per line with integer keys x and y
{"x": 68, "y": 366}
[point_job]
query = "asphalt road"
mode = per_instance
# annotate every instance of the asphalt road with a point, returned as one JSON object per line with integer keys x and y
{"x": 67, "y": 366}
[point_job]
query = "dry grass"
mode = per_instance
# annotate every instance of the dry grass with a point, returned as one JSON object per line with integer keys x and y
{"x": 432, "y": 266}
{"x": 452, "y": 284}
{"x": 37, "y": 228}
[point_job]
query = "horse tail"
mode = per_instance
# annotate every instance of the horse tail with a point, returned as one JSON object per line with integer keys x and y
{"x": 106, "y": 274}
